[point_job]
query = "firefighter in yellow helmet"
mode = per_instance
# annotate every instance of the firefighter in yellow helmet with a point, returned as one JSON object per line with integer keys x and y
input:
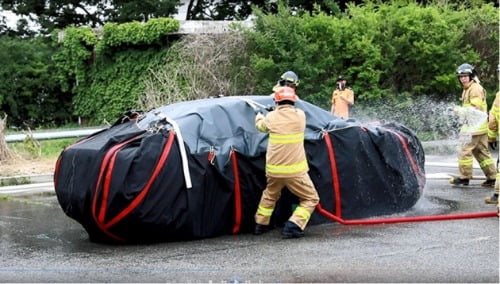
{"x": 287, "y": 79}
{"x": 493, "y": 121}
{"x": 474, "y": 95}
{"x": 286, "y": 164}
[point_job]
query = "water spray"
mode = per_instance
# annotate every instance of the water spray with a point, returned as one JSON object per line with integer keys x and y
{"x": 471, "y": 120}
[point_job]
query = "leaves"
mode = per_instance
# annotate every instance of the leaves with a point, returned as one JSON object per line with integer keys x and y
{"x": 28, "y": 91}
{"x": 382, "y": 48}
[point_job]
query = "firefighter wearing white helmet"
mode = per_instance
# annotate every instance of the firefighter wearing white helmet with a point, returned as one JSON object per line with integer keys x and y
{"x": 286, "y": 165}
{"x": 474, "y": 95}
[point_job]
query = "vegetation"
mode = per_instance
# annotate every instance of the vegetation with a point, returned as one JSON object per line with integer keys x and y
{"x": 44, "y": 149}
{"x": 29, "y": 94}
{"x": 51, "y": 15}
{"x": 200, "y": 66}
{"x": 106, "y": 74}
{"x": 394, "y": 54}
{"x": 388, "y": 52}
{"x": 5, "y": 153}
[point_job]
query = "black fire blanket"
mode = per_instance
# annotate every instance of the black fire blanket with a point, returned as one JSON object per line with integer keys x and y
{"x": 196, "y": 169}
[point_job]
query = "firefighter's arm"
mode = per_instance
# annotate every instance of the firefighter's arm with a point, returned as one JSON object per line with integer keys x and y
{"x": 477, "y": 98}
{"x": 492, "y": 126}
{"x": 259, "y": 123}
{"x": 334, "y": 96}
{"x": 492, "y": 132}
{"x": 493, "y": 121}
{"x": 349, "y": 98}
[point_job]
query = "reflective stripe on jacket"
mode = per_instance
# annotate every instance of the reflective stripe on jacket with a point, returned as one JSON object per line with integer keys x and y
{"x": 285, "y": 155}
{"x": 494, "y": 117}
{"x": 474, "y": 95}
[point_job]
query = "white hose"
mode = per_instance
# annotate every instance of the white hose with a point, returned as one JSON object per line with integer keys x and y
{"x": 255, "y": 105}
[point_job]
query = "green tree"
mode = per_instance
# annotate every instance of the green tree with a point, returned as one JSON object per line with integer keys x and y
{"x": 59, "y": 14}
{"x": 29, "y": 93}
{"x": 241, "y": 10}
{"x": 388, "y": 51}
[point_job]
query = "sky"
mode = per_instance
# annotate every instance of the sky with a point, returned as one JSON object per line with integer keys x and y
{"x": 10, "y": 17}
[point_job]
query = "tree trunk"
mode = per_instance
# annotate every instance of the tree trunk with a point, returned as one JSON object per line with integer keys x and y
{"x": 5, "y": 154}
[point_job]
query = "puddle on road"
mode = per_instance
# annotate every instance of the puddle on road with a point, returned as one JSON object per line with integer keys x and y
{"x": 432, "y": 205}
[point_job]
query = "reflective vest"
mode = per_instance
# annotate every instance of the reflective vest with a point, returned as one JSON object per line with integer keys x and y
{"x": 286, "y": 156}
{"x": 474, "y": 95}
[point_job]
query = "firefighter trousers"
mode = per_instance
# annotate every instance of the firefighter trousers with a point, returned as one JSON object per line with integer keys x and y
{"x": 300, "y": 186}
{"x": 477, "y": 148}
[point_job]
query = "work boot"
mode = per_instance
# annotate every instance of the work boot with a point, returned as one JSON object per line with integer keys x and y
{"x": 492, "y": 200}
{"x": 261, "y": 229}
{"x": 459, "y": 181}
{"x": 488, "y": 183}
{"x": 291, "y": 230}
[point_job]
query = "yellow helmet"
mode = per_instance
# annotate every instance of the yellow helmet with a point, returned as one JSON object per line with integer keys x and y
{"x": 290, "y": 79}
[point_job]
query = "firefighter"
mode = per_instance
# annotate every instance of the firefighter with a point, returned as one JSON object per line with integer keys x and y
{"x": 342, "y": 99}
{"x": 474, "y": 95}
{"x": 287, "y": 79}
{"x": 494, "y": 119}
{"x": 286, "y": 164}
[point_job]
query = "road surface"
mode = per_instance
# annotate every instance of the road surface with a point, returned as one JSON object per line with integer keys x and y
{"x": 39, "y": 243}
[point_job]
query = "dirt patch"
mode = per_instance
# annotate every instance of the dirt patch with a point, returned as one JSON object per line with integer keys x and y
{"x": 21, "y": 167}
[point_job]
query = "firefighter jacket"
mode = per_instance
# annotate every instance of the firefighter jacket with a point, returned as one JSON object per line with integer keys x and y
{"x": 341, "y": 101}
{"x": 494, "y": 118}
{"x": 286, "y": 156}
{"x": 474, "y": 95}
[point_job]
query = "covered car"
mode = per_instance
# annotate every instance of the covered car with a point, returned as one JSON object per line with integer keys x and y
{"x": 196, "y": 169}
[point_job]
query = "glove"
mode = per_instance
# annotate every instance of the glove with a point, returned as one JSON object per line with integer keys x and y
{"x": 493, "y": 144}
{"x": 270, "y": 108}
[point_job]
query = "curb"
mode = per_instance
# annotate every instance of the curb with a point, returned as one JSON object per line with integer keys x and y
{"x": 442, "y": 147}
{"x": 27, "y": 189}
{"x": 22, "y": 180}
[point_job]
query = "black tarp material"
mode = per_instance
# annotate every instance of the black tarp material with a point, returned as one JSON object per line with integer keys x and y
{"x": 195, "y": 169}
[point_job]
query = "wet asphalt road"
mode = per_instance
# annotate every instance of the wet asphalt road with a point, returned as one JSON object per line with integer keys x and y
{"x": 39, "y": 243}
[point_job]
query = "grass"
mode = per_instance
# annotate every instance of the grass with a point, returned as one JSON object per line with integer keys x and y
{"x": 41, "y": 149}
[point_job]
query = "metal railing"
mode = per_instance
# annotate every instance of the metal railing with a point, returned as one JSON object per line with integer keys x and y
{"x": 51, "y": 134}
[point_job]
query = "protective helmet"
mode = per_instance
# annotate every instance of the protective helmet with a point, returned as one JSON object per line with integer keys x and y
{"x": 340, "y": 78}
{"x": 466, "y": 69}
{"x": 285, "y": 94}
{"x": 289, "y": 78}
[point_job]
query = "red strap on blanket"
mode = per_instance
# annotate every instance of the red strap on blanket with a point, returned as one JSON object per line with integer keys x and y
{"x": 237, "y": 194}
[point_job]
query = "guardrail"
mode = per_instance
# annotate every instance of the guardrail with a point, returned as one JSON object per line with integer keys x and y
{"x": 52, "y": 134}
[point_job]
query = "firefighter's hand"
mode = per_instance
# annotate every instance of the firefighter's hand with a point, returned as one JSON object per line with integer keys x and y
{"x": 493, "y": 144}
{"x": 270, "y": 108}
{"x": 259, "y": 116}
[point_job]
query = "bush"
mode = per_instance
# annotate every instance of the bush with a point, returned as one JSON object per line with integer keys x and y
{"x": 383, "y": 49}
{"x": 106, "y": 74}
{"x": 29, "y": 93}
